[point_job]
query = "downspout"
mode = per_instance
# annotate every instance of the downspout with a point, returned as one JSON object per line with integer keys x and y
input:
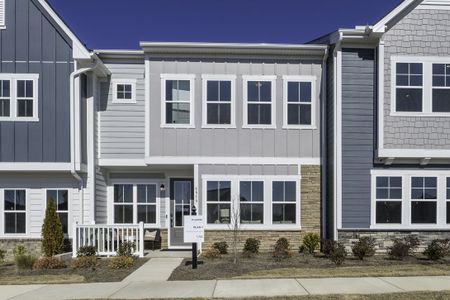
{"x": 324, "y": 148}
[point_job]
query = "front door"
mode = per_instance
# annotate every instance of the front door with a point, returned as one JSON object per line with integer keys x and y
{"x": 181, "y": 200}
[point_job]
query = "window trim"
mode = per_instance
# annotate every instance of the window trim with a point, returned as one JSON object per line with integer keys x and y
{"x": 217, "y": 202}
{"x": 27, "y": 214}
{"x": 296, "y": 202}
{"x": 300, "y": 78}
{"x": 115, "y": 82}
{"x": 69, "y": 210}
{"x": 273, "y": 102}
{"x": 13, "y": 78}
{"x": 2, "y": 14}
{"x": 218, "y": 77}
{"x": 189, "y": 77}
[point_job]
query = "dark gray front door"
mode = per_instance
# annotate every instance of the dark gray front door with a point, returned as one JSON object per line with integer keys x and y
{"x": 181, "y": 199}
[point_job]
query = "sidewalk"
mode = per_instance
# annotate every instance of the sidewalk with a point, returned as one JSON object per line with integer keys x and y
{"x": 227, "y": 288}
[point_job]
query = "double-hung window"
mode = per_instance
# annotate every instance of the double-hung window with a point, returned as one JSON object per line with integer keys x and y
{"x": 298, "y": 101}
{"x": 447, "y": 197}
{"x": 124, "y": 91}
{"x": 259, "y": 101}
{"x": 284, "y": 199}
{"x": 61, "y": 200}
{"x": 388, "y": 200}
{"x": 441, "y": 88}
{"x": 19, "y": 97}
{"x": 409, "y": 87}
{"x": 218, "y": 202}
{"x": 177, "y": 100}
{"x": 123, "y": 204}
{"x": 423, "y": 200}
{"x": 218, "y": 101}
{"x": 146, "y": 203}
{"x": 5, "y": 98}
{"x": 251, "y": 196}
{"x": 15, "y": 211}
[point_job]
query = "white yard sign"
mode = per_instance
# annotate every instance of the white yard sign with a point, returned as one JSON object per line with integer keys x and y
{"x": 194, "y": 229}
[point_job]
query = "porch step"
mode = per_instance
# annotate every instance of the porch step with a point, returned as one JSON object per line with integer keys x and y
{"x": 156, "y": 269}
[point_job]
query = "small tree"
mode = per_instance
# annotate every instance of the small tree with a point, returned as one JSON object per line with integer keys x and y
{"x": 235, "y": 228}
{"x": 52, "y": 232}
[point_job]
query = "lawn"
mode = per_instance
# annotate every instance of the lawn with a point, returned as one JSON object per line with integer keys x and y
{"x": 101, "y": 273}
{"x": 307, "y": 266}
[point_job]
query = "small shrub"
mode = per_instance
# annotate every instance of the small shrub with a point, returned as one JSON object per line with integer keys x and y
{"x": 251, "y": 247}
{"x": 52, "y": 232}
{"x": 311, "y": 241}
{"x": 126, "y": 249}
{"x": 222, "y": 247}
{"x": 438, "y": 249}
{"x": 24, "y": 262}
{"x": 365, "y": 247}
{"x": 84, "y": 262}
{"x": 403, "y": 247}
{"x": 20, "y": 250}
{"x": 121, "y": 262}
{"x": 328, "y": 246}
{"x": 2, "y": 255}
{"x": 211, "y": 253}
{"x": 49, "y": 263}
{"x": 338, "y": 254}
{"x": 86, "y": 251}
{"x": 302, "y": 249}
{"x": 281, "y": 249}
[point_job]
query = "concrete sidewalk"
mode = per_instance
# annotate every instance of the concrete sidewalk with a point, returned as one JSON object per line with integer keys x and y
{"x": 227, "y": 288}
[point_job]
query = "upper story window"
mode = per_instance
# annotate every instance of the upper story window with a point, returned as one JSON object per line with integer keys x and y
{"x": 2, "y": 14}
{"x": 19, "y": 97}
{"x": 409, "y": 87}
{"x": 177, "y": 93}
{"x": 259, "y": 101}
{"x": 124, "y": 91}
{"x": 218, "y": 101}
{"x": 441, "y": 88}
{"x": 299, "y": 102}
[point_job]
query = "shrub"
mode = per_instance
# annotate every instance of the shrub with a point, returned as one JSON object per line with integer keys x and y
{"x": 25, "y": 262}
{"x": 49, "y": 263}
{"x": 52, "y": 232}
{"x": 126, "y": 249}
{"x": 281, "y": 249}
{"x": 403, "y": 247}
{"x": 121, "y": 262}
{"x": 2, "y": 255}
{"x": 338, "y": 254}
{"x": 20, "y": 250}
{"x": 311, "y": 242}
{"x": 222, "y": 247}
{"x": 211, "y": 253}
{"x": 251, "y": 246}
{"x": 365, "y": 247}
{"x": 328, "y": 246}
{"x": 86, "y": 251}
{"x": 437, "y": 249}
{"x": 84, "y": 262}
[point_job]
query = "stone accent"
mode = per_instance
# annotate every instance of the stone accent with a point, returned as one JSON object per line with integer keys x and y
{"x": 164, "y": 239}
{"x": 384, "y": 239}
{"x": 33, "y": 246}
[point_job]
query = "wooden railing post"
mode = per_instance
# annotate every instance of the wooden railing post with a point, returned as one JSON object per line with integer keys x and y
{"x": 141, "y": 239}
{"x": 74, "y": 239}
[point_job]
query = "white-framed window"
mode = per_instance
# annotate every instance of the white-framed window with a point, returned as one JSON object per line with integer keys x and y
{"x": 299, "y": 101}
{"x": 146, "y": 203}
{"x": 388, "y": 200}
{"x": 124, "y": 91}
{"x": 218, "y": 202}
{"x": 2, "y": 14}
{"x": 15, "y": 211}
{"x": 423, "y": 200}
{"x": 441, "y": 88}
{"x": 123, "y": 204}
{"x": 408, "y": 87}
{"x": 19, "y": 97}
{"x": 284, "y": 202}
{"x": 177, "y": 100}
{"x": 259, "y": 101}
{"x": 251, "y": 198}
{"x": 447, "y": 197}
{"x": 61, "y": 200}
{"x": 219, "y": 94}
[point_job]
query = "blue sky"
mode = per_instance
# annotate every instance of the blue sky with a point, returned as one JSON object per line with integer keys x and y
{"x": 119, "y": 24}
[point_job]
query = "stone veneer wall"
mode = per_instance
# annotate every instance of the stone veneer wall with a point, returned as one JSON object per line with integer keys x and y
{"x": 33, "y": 246}
{"x": 310, "y": 218}
{"x": 384, "y": 239}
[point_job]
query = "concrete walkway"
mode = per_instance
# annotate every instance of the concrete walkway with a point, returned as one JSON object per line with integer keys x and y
{"x": 227, "y": 288}
{"x": 156, "y": 269}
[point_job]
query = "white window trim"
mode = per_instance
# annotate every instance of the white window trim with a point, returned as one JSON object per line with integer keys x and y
{"x": 427, "y": 84}
{"x": 235, "y": 203}
{"x": 273, "y": 102}
{"x": 2, "y": 14}
{"x": 294, "y": 78}
{"x": 406, "y": 199}
{"x": 69, "y": 210}
{"x": 27, "y": 215}
{"x": 191, "y": 79}
{"x": 209, "y": 77}
{"x": 116, "y": 82}
{"x": 13, "y": 78}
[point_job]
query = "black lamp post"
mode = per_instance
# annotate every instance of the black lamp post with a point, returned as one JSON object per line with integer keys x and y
{"x": 194, "y": 245}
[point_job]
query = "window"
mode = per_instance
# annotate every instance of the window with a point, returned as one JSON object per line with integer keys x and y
{"x": 146, "y": 203}
{"x": 19, "y": 97}
{"x": 251, "y": 195}
{"x": 2, "y": 14}
{"x": 388, "y": 205}
{"x": 183, "y": 198}
{"x": 124, "y": 91}
{"x": 218, "y": 198}
{"x": 259, "y": 93}
{"x": 298, "y": 101}
{"x": 409, "y": 87}
{"x": 448, "y": 199}
{"x": 123, "y": 204}
{"x": 284, "y": 199}
{"x": 423, "y": 200}
{"x": 15, "y": 211}
{"x": 441, "y": 87}
{"x": 218, "y": 101}
{"x": 178, "y": 98}
{"x": 61, "y": 200}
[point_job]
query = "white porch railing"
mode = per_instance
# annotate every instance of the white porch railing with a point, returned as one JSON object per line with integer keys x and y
{"x": 107, "y": 238}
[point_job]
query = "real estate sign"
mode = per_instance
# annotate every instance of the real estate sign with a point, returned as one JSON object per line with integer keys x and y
{"x": 194, "y": 229}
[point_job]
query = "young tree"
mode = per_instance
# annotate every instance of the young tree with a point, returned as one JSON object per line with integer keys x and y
{"x": 235, "y": 228}
{"x": 52, "y": 232}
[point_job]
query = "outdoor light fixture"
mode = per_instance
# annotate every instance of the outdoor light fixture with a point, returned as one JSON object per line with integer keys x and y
{"x": 162, "y": 188}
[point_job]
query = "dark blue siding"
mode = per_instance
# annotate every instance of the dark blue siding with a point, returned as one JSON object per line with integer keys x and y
{"x": 33, "y": 43}
{"x": 358, "y": 99}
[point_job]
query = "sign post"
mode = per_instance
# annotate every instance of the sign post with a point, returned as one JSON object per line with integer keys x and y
{"x": 194, "y": 232}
